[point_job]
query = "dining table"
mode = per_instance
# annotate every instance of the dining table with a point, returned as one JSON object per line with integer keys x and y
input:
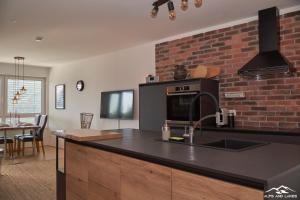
{"x": 22, "y": 128}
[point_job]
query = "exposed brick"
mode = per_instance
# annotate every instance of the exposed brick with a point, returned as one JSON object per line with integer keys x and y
{"x": 257, "y": 118}
{"x": 288, "y": 125}
{"x": 217, "y": 35}
{"x": 226, "y": 57}
{"x": 286, "y": 31}
{"x": 220, "y": 44}
{"x": 259, "y": 108}
{"x": 267, "y": 113}
{"x": 285, "y": 86}
{"x": 268, "y": 124}
{"x": 198, "y": 35}
{"x": 210, "y": 33}
{"x": 224, "y": 38}
{"x": 276, "y": 97}
{"x": 233, "y": 79}
{"x": 292, "y": 14}
{"x": 241, "y": 83}
{"x": 253, "y": 43}
{"x": 276, "y": 119}
{"x": 251, "y": 33}
{"x": 275, "y": 81}
{"x": 250, "y": 124}
{"x": 225, "y": 48}
{"x": 270, "y": 102}
{"x": 251, "y": 28}
{"x": 293, "y": 119}
{"x": 286, "y": 113}
{"x": 250, "y": 113}
{"x": 249, "y": 103}
{"x": 232, "y": 33}
{"x": 291, "y": 97}
{"x": 240, "y": 26}
{"x": 267, "y": 87}
{"x": 293, "y": 36}
{"x": 281, "y": 92}
{"x": 278, "y": 109}
{"x": 225, "y": 30}
{"x": 248, "y": 49}
{"x": 185, "y": 47}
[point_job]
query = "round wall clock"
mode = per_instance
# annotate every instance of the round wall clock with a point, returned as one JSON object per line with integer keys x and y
{"x": 80, "y": 85}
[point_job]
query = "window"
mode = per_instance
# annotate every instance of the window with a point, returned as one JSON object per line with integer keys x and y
{"x": 30, "y": 103}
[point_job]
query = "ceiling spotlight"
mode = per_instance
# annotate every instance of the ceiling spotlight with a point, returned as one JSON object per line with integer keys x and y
{"x": 154, "y": 12}
{"x": 198, "y": 3}
{"x": 184, "y": 5}
{"x": 39, "y": 38}
{"x": 172, "y": 14}
{"x": 13, "y": 21}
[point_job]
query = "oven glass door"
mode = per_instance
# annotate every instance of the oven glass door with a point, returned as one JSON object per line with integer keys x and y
{"x": 178, "y": 106}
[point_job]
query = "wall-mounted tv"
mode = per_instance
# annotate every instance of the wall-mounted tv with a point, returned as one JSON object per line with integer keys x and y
{"x": 117, "y": 104}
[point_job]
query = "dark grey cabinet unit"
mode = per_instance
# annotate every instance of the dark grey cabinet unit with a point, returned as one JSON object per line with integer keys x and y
{"x": 153, "y": 101}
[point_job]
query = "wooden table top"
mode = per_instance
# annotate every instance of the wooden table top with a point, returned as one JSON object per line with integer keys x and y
{"x": 87, "y": 134}
{"x": 11, "y": 128}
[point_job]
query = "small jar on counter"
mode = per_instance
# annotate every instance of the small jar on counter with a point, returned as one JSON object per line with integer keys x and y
{"x": 166, "y": 132}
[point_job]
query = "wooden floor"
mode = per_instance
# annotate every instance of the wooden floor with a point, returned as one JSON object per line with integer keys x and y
{"x": 29, "y": 177}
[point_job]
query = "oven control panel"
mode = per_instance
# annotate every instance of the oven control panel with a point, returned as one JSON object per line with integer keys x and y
{"x": 183, "y": 89}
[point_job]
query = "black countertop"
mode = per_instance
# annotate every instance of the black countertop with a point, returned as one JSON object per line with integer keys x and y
{"x": 254, "y": 167}
{"x": 257, "y": 130}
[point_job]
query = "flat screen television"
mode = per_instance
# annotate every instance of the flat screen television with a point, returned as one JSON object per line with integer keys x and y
{"x": 117, "y": 104}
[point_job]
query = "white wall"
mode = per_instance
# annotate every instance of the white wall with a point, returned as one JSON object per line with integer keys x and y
{"x": 34, "y": 71}
{"x": 124, "y": 69}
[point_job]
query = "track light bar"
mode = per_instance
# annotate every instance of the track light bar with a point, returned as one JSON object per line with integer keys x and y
{"x": 172, "y": 13}
{"x": 159, "y": 2}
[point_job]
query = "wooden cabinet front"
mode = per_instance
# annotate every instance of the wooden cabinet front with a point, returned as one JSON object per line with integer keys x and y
{"x": 76, "y": 172}
{"x": 144, "y": 180}
{"x": 188, "y": 186}
{"x": 93, "y": 174}
{"x": 104, "y": 175}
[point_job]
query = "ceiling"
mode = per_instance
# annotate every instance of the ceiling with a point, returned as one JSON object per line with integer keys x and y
{"x": 78, "y": 29}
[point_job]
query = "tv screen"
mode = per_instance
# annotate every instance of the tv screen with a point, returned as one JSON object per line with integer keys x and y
{"x": 117, "y": 104}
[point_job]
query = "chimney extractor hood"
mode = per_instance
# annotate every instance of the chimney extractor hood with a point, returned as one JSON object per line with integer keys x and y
{"x": 269, "y": 60}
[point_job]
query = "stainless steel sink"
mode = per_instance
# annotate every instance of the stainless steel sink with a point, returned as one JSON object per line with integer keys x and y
{"x": 225, "y": 144}
{"x": 230, "y": 144}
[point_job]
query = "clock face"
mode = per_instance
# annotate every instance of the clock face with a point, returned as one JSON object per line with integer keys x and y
{"x": 80, "y": 85}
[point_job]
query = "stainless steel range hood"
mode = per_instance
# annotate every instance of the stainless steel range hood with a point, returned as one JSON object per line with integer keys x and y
{"x": 269, "y": 60}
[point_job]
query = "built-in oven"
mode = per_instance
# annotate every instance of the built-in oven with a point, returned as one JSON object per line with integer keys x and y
{"x": 179, "y": 99}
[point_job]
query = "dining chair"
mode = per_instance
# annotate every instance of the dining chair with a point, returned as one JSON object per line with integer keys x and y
{"x": 36, "y": 122}
{"x": 9, "y": 146}
{"x": 37, "y": 136}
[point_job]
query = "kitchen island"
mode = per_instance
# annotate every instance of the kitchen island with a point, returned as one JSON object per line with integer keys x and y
{"x": 140, "y": 166}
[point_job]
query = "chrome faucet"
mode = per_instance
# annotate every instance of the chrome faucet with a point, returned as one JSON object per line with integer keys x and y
{"x": 193, "y": 126}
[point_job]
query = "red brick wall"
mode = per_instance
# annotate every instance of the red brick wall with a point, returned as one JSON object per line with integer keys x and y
{"x": 269, "y": 103}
